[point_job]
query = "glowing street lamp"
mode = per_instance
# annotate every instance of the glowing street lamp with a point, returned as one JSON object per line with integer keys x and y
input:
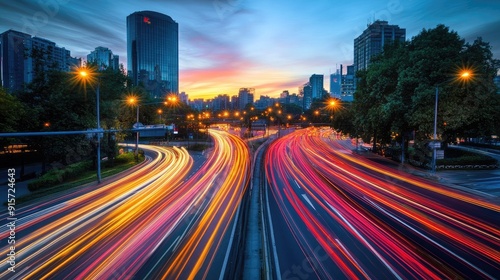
{"x": 87, "y": 76}
{"x": 160, "y": 111}
{"x": 331, "y": 105}
{"x": 465, "y": 76}
{"x": 134, "y": 101}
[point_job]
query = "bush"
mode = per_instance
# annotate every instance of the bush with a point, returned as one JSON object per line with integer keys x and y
{"x": 462, "y": 157}
{"x": 124, "y": 158}
{"x": 57, "y": 176}
{"x": 45, "y": 181}
{"x": 468, "y": 160}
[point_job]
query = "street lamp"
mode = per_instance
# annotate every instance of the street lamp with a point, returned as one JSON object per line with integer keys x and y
{"x": 278, "y": 116}
{"x": 465, "y": 75}
{"x": 160, "y": 111}
{"x": 85, "y": 75}
{"x": 331, "y": 105}
{"x": 133, "y": 101}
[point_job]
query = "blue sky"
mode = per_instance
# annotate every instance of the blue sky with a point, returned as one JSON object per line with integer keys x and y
{"x": 227, "y": 44}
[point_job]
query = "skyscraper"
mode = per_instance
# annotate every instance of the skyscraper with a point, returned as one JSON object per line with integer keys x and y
{"x": 22, "y": 57}
{"x": 306, "y": 92}
{"x": 316, "y": 82}
{"x": 104, "y": 58}
{"x": 372, "y": 42}
{"x": 245, "y": 96}
{"x": 153, "y": 52}
{"x": 16, "y": 68}
{"x": 336, "y": 82}
{"x": 347, "y": 88}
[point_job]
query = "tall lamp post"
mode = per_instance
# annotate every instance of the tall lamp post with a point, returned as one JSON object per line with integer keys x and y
{"x": 331, "y": 106}
{"x": 278, "y": 116}
{"x": 85, "y": 75}
{"x": 132, "y": 101}
{"x": 465, "y": 75}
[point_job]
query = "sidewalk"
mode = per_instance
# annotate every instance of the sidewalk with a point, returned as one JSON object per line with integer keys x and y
{"x": 21, "y": 187}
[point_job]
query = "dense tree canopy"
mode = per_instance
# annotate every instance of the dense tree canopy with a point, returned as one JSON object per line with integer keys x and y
{"x": 396, "y": 94}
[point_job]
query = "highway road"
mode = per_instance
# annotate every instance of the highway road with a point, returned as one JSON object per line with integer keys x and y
{"x": 157, "y": 222}
{"x": 333, "y": 214}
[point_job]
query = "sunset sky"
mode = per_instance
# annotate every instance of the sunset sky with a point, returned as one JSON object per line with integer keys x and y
{"x": 228, "y": 44}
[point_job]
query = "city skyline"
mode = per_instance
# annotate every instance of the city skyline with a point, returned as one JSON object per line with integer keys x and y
{"x": 227, "y": 45}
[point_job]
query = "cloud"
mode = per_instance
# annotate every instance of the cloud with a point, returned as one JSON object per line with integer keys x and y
{"x": 490, "y": 32}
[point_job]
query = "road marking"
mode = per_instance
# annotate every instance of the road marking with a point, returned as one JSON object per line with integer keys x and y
{"x": 382, "y": 259}
{"x": 308, "y": 201}
{"x": 430, "y": 239}
{"x": 162, "y": 256}
{"x": 226, "y": 259}
{"x": 273, "y": 241}
{"x": 297, "y": 184}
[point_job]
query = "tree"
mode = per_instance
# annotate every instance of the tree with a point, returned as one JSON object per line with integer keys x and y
{"x": 13, "y": 116}
{"x": 396, "y": 94}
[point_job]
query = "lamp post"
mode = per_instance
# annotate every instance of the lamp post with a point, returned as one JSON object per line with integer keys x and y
{"x": 331, "y": 106}
{"x": 85, "y": 75}
{"x": 160, "y": 111}
{"x": 465, "y": 75}
{"x": 132, "y": 101}
{"x": 434, "y": 152}
{"x": 278, "y": 116}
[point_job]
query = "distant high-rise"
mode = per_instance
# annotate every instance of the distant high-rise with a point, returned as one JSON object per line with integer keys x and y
{"x": 23, "y": 56}
{"x": 372, "y": 42}
{"x": 221, "y": 102}
{"x": 245, "y": 96}
{"x": 153, "y": 52}
{"x": 335, "y": 83}
{"x": 347, "y": 88}
{"x": 316, "y": 83}
{"x": 16, "y": 69}
{"x": 306, "y": 92}
{"x": 104, "y": 58}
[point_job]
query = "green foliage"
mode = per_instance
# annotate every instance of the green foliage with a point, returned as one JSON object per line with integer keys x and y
{"x": 57, "y": 176}
{"x": 396, "y": 94}
{"x": 461, "y": 157}
{"x": 12, "y": 112}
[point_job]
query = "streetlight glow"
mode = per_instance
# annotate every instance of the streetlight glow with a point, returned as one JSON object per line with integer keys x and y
{"x": 89, "y": 75}
{"x": 465, "y": 76}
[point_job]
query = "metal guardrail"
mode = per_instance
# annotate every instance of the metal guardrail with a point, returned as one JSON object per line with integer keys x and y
{"x": 51, "y": 133}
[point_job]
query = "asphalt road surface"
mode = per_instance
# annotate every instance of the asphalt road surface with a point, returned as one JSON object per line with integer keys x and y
{"x": 337, "y": 215}
{"x": 161, "y": 220}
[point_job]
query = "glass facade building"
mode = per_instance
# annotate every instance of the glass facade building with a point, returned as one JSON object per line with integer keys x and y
{"x": 372, "y": 42}
{"x": 153, "y": 52}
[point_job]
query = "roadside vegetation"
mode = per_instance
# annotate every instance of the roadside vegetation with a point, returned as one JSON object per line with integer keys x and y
{"x": 77, "y": 174}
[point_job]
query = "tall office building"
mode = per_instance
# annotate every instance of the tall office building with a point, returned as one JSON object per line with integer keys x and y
{"x": 153, "y": 52}
{"x": 347, "y": 87}
{"x": 336, "y": 82}
{"x": 21, "y": 56}
{"x": 221, "y": 102}
{"x": 16, "y": 69}
{"x": 104, "y": 58}
{"x": 316, "y": 83}
{"x": 306, "y": 92}
{"x": 245, "y": 96}
{"x": 371, "y": 42}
